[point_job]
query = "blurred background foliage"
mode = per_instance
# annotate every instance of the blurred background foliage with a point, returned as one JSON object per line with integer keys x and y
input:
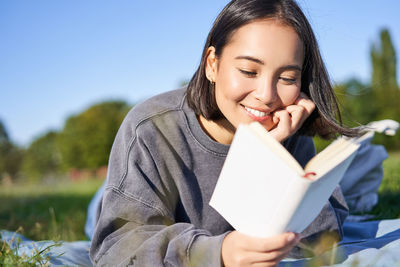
{"x": 84, "y": 143}
{"x": 86, "y": 139}
{"x": 379, "y": 99}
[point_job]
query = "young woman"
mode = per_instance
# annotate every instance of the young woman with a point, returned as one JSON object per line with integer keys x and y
{"x": 260, "y": 63}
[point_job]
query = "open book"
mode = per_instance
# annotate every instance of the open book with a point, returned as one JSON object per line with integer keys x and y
{"x": 263, "y": 191}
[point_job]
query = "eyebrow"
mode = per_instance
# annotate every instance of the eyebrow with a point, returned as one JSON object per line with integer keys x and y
{"x": 256, "y": 60}
{"x": 291, "y": 67}
{"x": 259, "y": 61}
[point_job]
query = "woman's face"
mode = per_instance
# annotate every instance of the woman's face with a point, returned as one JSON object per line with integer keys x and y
{"x": 258, "y": 72}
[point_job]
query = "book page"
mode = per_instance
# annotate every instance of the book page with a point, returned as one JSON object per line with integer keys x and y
{"x": 326, "y": 154}
{"x": 331, "y": 157}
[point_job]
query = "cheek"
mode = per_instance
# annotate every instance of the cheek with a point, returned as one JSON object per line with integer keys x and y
{"x": 289, "y": 95}
{"x": 232, "y": 85}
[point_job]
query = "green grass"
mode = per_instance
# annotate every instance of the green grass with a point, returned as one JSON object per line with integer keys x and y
{"x": 388, "y": 206}
{"x": 47, "y": 211}
{"x": 10, "y": 257}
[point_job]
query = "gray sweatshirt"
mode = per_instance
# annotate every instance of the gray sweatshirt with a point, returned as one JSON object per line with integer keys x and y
{"x": 162, "y": 171}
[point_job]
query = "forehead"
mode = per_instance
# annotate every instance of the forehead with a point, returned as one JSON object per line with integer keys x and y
{"x": 266, "y": 39}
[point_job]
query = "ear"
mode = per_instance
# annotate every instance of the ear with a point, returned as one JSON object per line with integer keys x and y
{"x": 211, "y": 64}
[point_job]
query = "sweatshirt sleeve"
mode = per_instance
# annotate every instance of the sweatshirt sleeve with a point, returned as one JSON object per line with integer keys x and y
{"x": 119, "y": 240}
{"x": 136, "y": 225}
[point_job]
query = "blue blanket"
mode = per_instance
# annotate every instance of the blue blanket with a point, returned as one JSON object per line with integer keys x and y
{"x": 373, "y": 243}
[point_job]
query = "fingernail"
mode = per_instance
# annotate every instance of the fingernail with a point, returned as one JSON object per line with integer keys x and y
{"x": 298, "y": 237}
{"x": 291, "y": 237}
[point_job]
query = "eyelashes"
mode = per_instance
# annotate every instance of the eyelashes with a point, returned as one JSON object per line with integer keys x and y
{"x": 288, "y": 80}
{"x": 253, "y": 74}
{"x": 248, "y": 73}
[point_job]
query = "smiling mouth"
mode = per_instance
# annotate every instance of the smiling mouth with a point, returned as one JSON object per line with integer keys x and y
{"x": 256, "y": 113}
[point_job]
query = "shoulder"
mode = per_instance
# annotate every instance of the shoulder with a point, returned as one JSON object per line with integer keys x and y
{"x": 150, "y": 119}
{"x": 159, "y": 105}
{"x": 142, "y": 129}
{"x": 168, "y": 101}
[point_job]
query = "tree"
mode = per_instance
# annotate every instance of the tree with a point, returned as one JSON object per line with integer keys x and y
{"x": 10, "y": 155}
{"x": 4, "y": 141}
{"x": 86, "y": 140}
{"x": 3, "y": 134}
{"x": 385, "y": 90}
{"x": 384, "y": 85}
{"x": 355, "y": 99}
{"x": 42, "y": 158}
{"x": 364, "y": 103}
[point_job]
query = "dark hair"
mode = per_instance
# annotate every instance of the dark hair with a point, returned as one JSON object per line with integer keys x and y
{"x": 326, "y": 119}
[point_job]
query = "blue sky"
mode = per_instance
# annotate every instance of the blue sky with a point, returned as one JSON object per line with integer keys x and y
{"x": 59, "y": 57}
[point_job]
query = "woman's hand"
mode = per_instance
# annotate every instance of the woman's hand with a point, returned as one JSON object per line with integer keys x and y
{"x": 290, "y": 119}
{"x": 242, "y": 250}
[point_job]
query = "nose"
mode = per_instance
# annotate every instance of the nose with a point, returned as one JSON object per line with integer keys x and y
{"x": 267, "y": 92}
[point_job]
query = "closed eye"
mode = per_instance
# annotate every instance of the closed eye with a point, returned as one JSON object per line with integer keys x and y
{"x": 288, "y": 80}
{"x": 248, "y": 73}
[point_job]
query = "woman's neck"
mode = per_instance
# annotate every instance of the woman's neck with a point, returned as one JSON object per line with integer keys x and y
{"x": 220, "y": 130}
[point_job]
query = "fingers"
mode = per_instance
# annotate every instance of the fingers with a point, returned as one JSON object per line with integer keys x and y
{"x": 298, "y": 115}
{"x": 300, "y": 111}
{"x": 288, "y": 120}
{"x": 283, "y": 125}
{"x": 271, "y": 258}
{"x": 279, "y": 242}
{"x": 274, "y": 255}
{"x": 304, "y": 101}
{"x": 242, "y": 250}
{"x": 284, "y": 121}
